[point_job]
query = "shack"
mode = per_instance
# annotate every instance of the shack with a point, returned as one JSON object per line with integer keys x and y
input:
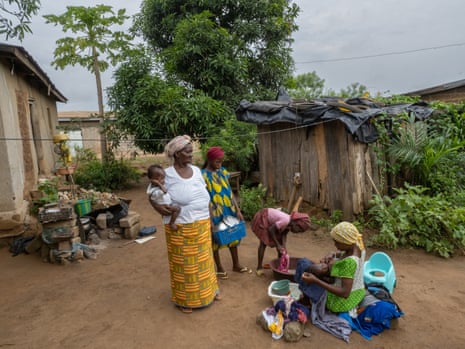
{"x": 325, "y": 143}
{"x": 28, "y": 120}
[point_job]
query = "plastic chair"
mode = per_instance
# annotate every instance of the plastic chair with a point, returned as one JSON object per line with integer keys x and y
{"x": 380, "y": 269}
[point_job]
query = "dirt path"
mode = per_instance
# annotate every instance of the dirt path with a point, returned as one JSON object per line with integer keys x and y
{"x": 121, "y": 299}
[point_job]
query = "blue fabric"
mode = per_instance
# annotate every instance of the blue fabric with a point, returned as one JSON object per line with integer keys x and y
{"x": 355, "y": 325}
{"x": 312, "y": 291}
{"x": 374, "y": 319}
{"x": 293, "y": 313}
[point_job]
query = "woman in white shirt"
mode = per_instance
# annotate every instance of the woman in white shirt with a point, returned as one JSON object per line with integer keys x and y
{"x": 190, "y": 255}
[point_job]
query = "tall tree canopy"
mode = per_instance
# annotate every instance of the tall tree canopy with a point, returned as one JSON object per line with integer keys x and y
{"x": 154, "y": 109}
{"x": 15, "y": 17}
{"x": 228, "y": 49}
{"x": 94, "y": 45}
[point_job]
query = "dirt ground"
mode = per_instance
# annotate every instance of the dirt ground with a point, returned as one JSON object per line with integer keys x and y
{"x": 122, "y": 299}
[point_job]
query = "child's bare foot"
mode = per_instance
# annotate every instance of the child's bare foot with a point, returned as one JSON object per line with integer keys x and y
{"x": 173, "y": 226}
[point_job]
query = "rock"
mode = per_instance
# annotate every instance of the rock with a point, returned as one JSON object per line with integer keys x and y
{"x": 261, "y": 321}
{"x": 293, "y": 331}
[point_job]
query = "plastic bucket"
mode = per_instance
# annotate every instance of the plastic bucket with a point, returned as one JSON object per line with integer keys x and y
{"x": 83, "y": 207}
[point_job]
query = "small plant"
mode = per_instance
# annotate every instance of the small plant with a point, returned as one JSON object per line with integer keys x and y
{"x": 49, "y": 189}
{"x": 253, "y": 199}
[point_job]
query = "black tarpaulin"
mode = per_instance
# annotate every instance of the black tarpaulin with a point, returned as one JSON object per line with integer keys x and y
{"x": 355, "y": 113}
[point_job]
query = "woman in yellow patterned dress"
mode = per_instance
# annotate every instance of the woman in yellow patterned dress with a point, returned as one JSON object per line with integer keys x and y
{"x": 223, "y": 204}
{"x": 190, "y": 255}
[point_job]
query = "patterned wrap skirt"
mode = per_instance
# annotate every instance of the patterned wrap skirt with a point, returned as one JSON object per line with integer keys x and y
{"x": 192, "y": 268}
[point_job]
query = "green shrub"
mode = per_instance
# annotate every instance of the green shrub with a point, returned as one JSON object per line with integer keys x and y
{"x": 253, "y": 199}
{"x": 105, "y": 175}
{"x": 416, "y": 219}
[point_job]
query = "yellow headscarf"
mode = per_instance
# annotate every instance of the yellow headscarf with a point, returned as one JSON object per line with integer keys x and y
{"x": 347, "y": 233}
{"x": 176, "y": 144}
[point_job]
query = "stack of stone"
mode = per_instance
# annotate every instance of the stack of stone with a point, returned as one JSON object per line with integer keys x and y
{"x": 60, "y": 235}
{"x": 128, "y": 227}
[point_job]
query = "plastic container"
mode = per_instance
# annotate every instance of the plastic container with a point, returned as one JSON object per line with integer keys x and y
{"x": 281, "y": 288}
{"x": 229, "y": 234}
{"x": 83, "y": 207}
{"x": 294, "y": 292}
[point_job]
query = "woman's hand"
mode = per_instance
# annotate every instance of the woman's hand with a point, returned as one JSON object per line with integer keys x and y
{"x": 164, "y": 210}
{"x": 309, "y": 278}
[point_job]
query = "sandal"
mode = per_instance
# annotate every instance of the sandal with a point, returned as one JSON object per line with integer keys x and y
{"x": 260, "y": 272}
{"x": 222, "y": 275}
{"x": 243, "y": 270}
{"x": 186, "y": 310}
{"x": 266, "y": 266}
{"x": 218, "y": 297}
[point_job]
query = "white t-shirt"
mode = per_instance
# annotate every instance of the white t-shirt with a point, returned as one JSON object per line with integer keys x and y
{"x": 158, "y": 196}
{"x": 189, "y": 193}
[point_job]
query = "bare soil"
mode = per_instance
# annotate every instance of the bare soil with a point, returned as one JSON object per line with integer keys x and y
{"x": 122, "y": 299}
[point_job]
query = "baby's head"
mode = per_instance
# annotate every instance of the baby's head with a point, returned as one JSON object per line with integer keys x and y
{"x": 319, "y": 269}
{"x": 156, "y": 173}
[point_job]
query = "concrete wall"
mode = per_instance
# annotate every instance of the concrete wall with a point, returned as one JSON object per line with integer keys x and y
{"x": 28, "y": 120}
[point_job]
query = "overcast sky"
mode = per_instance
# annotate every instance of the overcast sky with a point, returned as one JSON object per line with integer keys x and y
{"x": 390, "y": 46}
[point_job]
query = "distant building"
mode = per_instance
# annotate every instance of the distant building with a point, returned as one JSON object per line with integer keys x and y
{"x": 452, "y": 92}
{"x": 28, "y": 121}
{"x": 84, "y": 130}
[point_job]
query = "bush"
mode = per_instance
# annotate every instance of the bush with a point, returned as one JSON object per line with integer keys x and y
{"x": 105, "y": 175}
{"x": 415, "y": 219}
{"x": 253, "y": 199}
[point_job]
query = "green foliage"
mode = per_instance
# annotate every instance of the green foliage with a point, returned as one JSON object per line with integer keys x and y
{"x": 95, "y": 45}
{"x": 253, "y": 199}
{"x": 155, "y": 110}
{"x": 307, "y": 86}
{"x": 238, "y": 142}
{"x": 105, "y": 175}
{"x": 335, "y": 218}
{"x": 414, "y": 218}
{"x": 15, "y": 17}
{"x": 230, "y": 50}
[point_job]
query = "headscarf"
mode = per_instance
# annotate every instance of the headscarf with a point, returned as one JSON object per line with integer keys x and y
{"x": 214, "y": 153}
{"x": 347, "y": 233}
{"x": 302, "y": 220}
{"x": 176, "y": 144}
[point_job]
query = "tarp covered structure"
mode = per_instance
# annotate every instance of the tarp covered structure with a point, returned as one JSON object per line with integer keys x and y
{"x": 355, "y": 113}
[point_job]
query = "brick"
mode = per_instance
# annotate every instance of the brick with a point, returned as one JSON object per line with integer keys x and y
{"x": 132, "y": 232}
{"x": 102, "y": 221}
{"x": 64, "y": 245}
{"x": 131, "y": 219}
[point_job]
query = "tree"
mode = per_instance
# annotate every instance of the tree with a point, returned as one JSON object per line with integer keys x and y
{"x": 95, "y": 46}
{"x": 307, "y": 85}
{"x": 228, "y": 49}
{"x": 154, "y": 109}
{"x": 17, "y": 10}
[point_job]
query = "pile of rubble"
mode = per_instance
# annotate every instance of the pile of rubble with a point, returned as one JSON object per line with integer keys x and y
{"x": 72, "y": 229}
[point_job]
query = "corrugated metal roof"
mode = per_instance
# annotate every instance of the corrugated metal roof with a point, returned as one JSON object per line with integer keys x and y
{"x": 438, "y": 88}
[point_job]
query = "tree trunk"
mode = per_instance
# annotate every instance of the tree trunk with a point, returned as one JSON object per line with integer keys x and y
{"x": 98, "y": 80}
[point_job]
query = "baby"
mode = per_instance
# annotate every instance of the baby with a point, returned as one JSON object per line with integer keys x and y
{"x": 158, "y": 193}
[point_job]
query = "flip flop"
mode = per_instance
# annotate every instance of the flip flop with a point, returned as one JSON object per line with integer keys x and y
{"x": 186, "y": 310}
{"x": 260, "y": 272}
{"x": 218, "y": 297}
{"x": 222, "y": 275}
{"x": 266, "y": 266}
{"x": 244, "y": 270}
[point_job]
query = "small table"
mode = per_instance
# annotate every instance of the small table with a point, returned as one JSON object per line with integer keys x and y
{"x": 234, "y": 179}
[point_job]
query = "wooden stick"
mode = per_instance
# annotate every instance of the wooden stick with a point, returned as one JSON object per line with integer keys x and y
{"x": 297, "y": 204}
